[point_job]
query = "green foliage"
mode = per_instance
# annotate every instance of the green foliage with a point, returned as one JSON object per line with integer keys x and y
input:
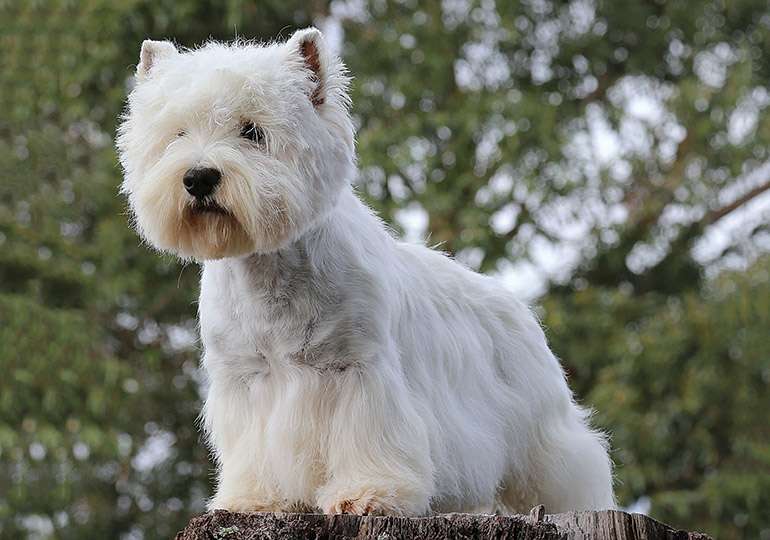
{"x": 434, "y": 98}
{"x": 681, "y": 383}
{"x": 484, "y": 116}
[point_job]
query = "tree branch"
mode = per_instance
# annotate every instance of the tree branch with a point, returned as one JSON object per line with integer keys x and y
{"x": 716, "y": 215}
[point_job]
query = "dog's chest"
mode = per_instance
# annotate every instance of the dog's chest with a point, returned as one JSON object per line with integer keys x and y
{"x": 253, "y": 327}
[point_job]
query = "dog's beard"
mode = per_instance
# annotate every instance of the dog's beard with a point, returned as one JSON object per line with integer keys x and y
{"x": 207, "y": 230}
{"x": 201, "y": 229}
{"x": 214, "y": 227}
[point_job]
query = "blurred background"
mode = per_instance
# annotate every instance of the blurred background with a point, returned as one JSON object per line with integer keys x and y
{"x": 608, "y": 160}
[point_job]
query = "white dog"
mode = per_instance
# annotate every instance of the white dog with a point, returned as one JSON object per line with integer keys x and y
{"x": 349, "y": 372}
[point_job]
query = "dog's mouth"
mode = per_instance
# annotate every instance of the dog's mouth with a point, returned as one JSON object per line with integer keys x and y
{"x": 208, "y": 206}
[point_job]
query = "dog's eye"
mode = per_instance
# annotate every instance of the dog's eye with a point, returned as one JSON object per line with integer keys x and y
{"x": 181, "y": 133}
{"x": 252, "y": 132}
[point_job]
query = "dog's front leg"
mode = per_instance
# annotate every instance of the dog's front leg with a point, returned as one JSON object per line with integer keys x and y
{"x": 236, "y": 438}
{"x": 378, "y": 450}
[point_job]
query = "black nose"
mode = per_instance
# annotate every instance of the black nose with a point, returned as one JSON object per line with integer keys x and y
{"x": 200, "y": 182}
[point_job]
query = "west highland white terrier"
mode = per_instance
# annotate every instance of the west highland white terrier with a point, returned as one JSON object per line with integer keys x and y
{"x": 348, "y": 372}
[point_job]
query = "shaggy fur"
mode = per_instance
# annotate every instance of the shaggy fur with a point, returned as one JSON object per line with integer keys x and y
{"x": 349, "y": 372}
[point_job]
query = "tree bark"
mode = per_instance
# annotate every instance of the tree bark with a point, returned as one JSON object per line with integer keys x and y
{"x": 604, "y": 525}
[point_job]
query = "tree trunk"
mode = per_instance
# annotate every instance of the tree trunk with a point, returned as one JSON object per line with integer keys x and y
{"x": 604, "y": 525}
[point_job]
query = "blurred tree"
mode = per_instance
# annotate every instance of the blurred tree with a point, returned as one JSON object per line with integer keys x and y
{"x": 99, "y": 395}
{"x": 603, "y": 135}
{"x": 682, "y": 383}
{"x": 598, "y": 141}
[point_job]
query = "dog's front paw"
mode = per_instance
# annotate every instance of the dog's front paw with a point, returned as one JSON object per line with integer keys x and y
{"x": 369, "y": 503}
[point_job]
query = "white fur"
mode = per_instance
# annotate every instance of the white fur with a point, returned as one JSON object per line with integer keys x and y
{"x": 348, "y": 372}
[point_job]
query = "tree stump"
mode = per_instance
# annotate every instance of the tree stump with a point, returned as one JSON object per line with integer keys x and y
{"x": 604, "y": 525}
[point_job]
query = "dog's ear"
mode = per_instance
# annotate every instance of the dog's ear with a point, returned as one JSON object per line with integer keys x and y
{"x": 152, "y": 51}
{"x": 309, "y": 45}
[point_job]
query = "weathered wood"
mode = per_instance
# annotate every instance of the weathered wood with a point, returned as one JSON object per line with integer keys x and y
{"x": 617, "y": 525}
{"x": 605, "y": 525}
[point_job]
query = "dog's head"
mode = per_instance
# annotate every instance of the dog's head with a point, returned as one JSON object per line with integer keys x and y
{"x": 234, "y": 149}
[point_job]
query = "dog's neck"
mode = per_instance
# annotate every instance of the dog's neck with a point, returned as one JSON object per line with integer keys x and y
{"x": 317, "y": 301}
{"x": 281, "y": 276}
{"x": 312, "y": 273}
{"x": 297, "y": 277}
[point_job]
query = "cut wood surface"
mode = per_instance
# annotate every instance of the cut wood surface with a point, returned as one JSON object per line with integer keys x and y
{"x": 604, "y": 525}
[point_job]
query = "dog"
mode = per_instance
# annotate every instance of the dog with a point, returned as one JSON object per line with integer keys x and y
{"x": 347, "y": 372}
